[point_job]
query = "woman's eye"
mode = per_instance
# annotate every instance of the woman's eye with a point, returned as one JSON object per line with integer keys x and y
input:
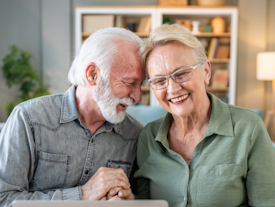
{"x": 181, "y": 74}
{"x": 160, "y": 82}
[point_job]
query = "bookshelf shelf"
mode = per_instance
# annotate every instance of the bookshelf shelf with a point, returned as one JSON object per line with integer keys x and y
{"x": 140, "y": 34}
{"x": 191, "y": 13}
{"x": 210, "y": 34}
{"x": 220, "y": 60}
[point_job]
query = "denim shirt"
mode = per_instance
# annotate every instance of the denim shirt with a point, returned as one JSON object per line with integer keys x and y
{"x": 47, "y": 153}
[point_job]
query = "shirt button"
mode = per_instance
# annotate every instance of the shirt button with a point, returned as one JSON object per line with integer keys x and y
{"x": 184, "y": 198}
{"x": 186, "y": 172}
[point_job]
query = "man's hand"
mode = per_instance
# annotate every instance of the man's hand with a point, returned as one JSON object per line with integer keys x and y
{"x": 121, "y": 193}
{"x": 102, "y": 182}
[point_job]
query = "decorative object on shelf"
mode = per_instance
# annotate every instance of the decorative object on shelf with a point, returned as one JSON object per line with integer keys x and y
{"x": 218, "y": 25}
{"x": 92, "y": 23}
{"x": 211, "y": 2}
{"x": 18, "y": 72}
{"x": 144, "y": 24}
{"x": 195, "y": 27}
{"x": 185, "y": 23}
{"x": 179, "y": 22}
{"x": 266, "y": 72}
{"x": 207, "y": 29}
{"x": 220, "y": 78}
{"x": 172, "y": 2}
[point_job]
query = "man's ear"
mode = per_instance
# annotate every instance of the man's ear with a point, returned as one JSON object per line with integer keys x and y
{"x": 207, "y": 72}
{"x": 92, "y": 74}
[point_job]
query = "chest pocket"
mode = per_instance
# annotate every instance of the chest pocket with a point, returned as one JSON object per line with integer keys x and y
{"x": 51, "y": 171}
{"x": 126, "y": 166}
{"x": 220, "y": 185}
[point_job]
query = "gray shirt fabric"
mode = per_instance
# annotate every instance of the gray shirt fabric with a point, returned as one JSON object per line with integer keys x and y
{"x": 47, "y": 153}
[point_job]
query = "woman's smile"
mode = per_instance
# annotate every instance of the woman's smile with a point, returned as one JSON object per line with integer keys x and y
{"x": 179, "y": 99}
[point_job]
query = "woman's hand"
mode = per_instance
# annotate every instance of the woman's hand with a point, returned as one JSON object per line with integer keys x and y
{"x": 123, "y": 193}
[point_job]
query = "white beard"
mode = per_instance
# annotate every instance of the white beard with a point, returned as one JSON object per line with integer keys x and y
{"x": 107, "y": 102}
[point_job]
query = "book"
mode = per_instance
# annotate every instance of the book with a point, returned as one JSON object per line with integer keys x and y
{"x": 92, "y": 23}
{"x": 223, "y": 48}
{"x": 212, "y": 48}
{"x": 220, "y": 78}
{"x": 144, "y": 24}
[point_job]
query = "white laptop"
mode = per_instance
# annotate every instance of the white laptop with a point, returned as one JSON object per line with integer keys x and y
{"x": 133, "y": 203}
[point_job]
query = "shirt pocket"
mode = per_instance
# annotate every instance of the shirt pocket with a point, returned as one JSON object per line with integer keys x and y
{"x": 51, "y": 171}
{"x": 220, "y": 185}
{"x": 126, "y": 166}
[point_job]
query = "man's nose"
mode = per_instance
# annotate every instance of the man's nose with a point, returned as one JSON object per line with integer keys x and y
{"x": 136, "y": 93}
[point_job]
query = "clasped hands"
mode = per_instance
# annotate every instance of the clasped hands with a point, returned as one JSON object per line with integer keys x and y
{"x": 107, "y": 184}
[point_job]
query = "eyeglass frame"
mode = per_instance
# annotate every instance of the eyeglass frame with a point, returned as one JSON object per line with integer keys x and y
{"x": 168, "y": 76}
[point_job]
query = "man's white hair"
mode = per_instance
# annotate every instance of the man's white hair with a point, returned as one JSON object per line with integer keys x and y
{"x": 100, "y": 49}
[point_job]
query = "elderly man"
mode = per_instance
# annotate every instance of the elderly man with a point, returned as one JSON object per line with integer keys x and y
{"x": 80, "y": 144}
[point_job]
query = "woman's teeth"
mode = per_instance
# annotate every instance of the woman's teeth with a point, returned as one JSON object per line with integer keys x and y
{"x": 179, "y": 98}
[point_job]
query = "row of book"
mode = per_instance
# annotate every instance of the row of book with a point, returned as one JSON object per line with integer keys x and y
{"x": 92, "y": 23}
{"x": 219, "y": 48}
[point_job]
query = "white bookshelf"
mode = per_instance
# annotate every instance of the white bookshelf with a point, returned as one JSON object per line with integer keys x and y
{"x": 157, "y": 14}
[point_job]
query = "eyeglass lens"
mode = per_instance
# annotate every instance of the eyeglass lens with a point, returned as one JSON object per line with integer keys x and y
{"x": 178, "y": 77}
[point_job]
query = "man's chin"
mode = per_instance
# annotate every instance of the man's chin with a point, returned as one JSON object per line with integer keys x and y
{"x": 115, "y": 119}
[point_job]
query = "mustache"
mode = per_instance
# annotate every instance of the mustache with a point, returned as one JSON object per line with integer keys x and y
{"x": 127, "y": 101}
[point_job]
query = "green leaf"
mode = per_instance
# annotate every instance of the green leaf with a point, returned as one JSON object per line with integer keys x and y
{"x": 18, "y": 72}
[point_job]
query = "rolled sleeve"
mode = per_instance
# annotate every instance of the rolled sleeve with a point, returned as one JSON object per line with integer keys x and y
{"x": 72, "y": 193}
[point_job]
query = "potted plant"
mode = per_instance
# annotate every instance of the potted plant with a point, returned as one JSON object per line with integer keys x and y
{"x": 18, "y": 71}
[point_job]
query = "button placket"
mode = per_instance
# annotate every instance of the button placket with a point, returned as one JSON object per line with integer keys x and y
{"x": 88, "y": 162}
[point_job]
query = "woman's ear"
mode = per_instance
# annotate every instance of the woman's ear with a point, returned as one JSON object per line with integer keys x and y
{"x": 207, "y": 72}
{"x": 92, "y": 74}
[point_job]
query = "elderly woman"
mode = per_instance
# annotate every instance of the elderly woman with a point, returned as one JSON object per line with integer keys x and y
{"x": 204, "y": 152}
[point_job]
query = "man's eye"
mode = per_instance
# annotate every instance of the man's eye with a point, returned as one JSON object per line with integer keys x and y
{"x": 129, "y": 83}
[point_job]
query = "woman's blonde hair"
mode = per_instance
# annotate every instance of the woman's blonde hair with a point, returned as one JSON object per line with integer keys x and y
{"x": 174, "y": 33}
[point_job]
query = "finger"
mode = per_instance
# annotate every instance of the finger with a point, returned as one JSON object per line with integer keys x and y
{"x": 107, "y": 174}
{"x": 125, "y": 193}
{"x": 117, "y": 183}
{"x": 104, "y": 198}
{"x": 117, "y": 174}
{"x": 115, "y": 198}
{"x": 115, "y": 190}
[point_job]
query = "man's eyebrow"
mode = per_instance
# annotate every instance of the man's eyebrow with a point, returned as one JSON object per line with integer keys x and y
{"x": 130, "y": 79}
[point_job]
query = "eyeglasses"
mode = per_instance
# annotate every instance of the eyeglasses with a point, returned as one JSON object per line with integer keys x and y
{"x": 179, "y": 76}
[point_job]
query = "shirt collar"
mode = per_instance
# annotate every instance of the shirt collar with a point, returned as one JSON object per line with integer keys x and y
{"x": 220, "y": 122}
{"x": 68, "y": 109}
{"x": 117, "y": 127}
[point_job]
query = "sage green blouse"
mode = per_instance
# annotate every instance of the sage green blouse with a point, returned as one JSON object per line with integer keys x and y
{"x": 233, "y": 165}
